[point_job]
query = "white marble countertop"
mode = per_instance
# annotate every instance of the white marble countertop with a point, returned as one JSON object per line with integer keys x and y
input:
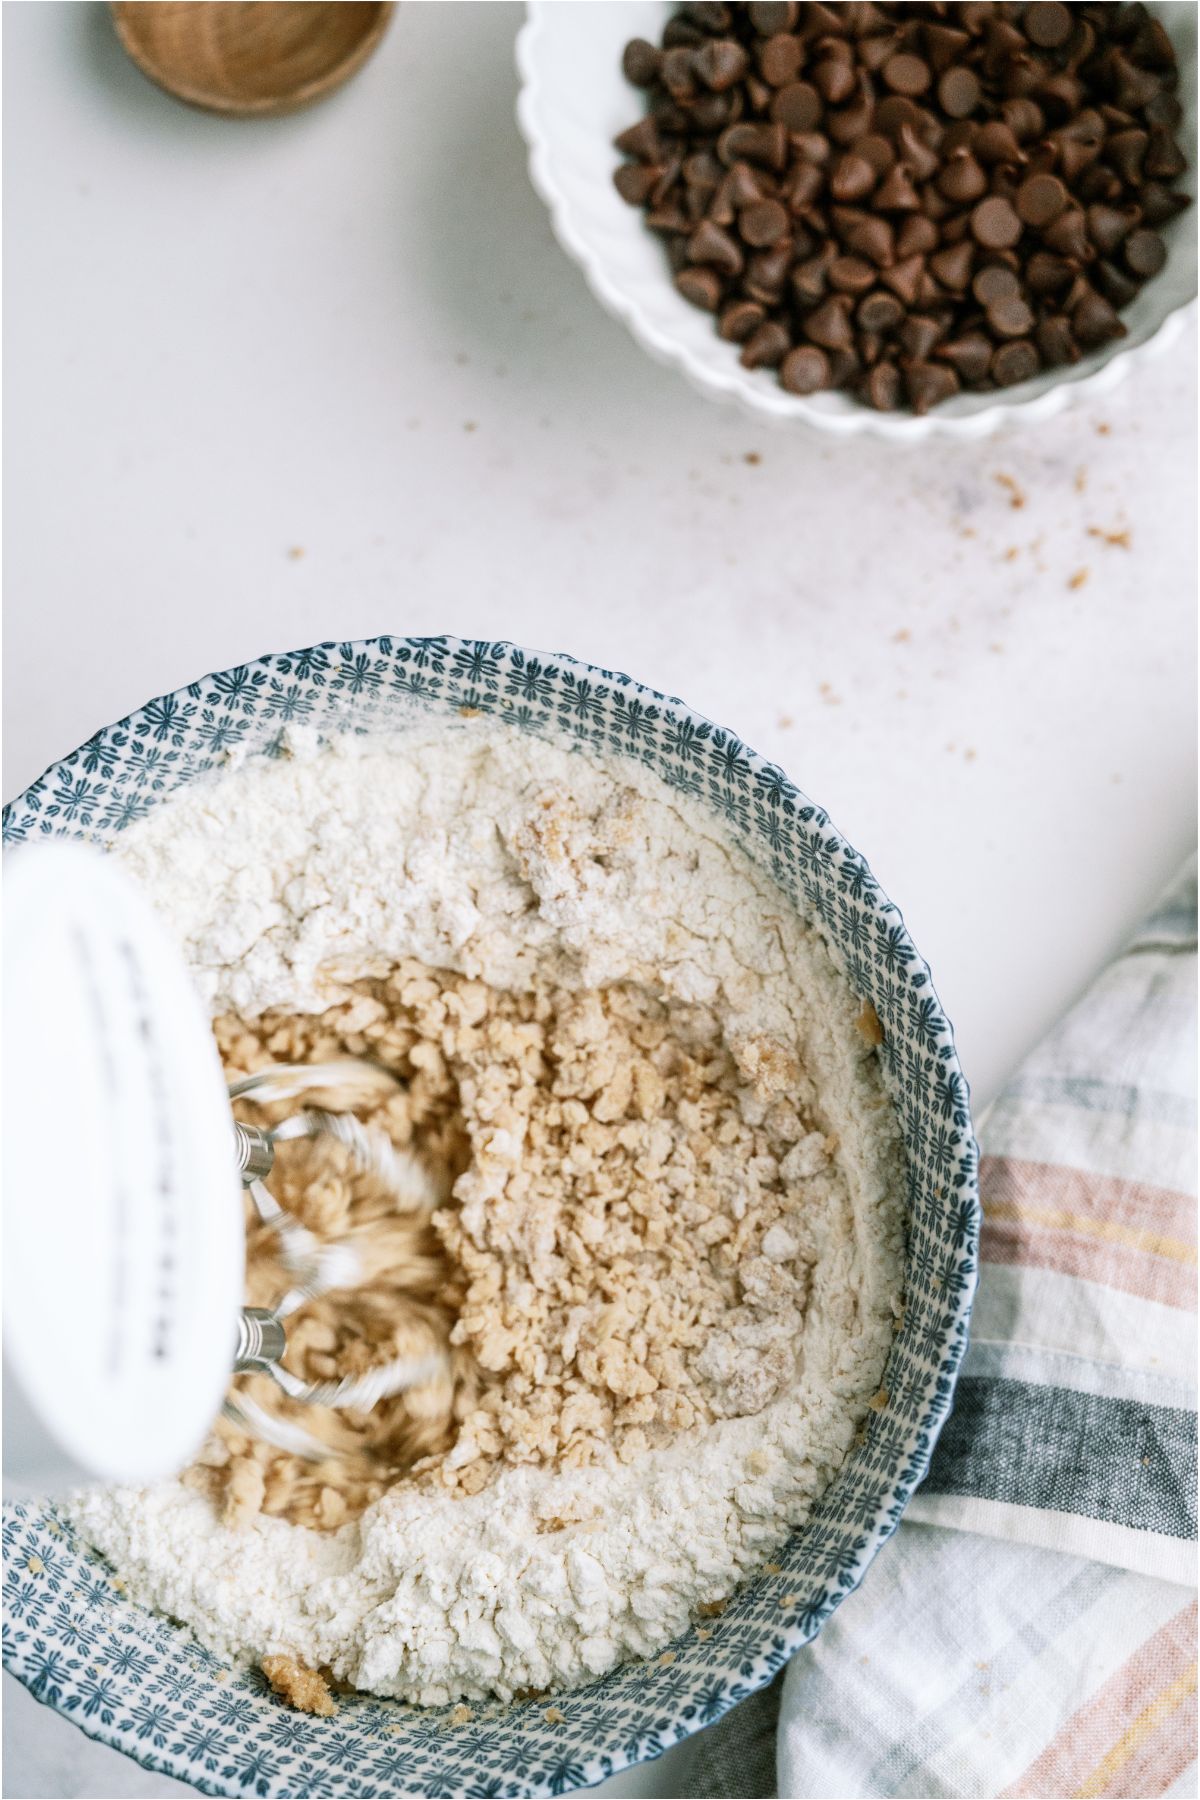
{"x": 330, "y": 376}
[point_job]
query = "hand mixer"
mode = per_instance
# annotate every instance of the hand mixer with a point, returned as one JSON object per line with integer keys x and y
{"x": 124, "y": 1241}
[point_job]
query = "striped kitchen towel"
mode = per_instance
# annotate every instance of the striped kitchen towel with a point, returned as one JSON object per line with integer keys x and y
{"x": 1031, "y": 1628}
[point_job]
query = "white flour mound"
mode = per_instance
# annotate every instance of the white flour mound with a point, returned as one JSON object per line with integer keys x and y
{"x": 436, "y": 845}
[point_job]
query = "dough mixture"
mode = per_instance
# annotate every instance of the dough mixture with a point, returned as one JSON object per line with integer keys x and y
{"x": 663, "y": 1272}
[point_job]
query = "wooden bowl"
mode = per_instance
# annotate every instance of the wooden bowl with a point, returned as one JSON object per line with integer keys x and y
{"x": 250, "y": 59}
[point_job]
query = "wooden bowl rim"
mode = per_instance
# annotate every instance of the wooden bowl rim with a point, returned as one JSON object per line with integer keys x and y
{"x": 267, "y": 106}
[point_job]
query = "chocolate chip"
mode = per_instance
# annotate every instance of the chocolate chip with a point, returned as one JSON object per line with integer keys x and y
{"x": 876, "y": 150}
{"x": 780, "y": 59}
{"x": 767, "y": 347}
{"x": 1125, "y": 152}
{"x": 918, "y": 235}
{"x": 829, "y": 325}
{"x": 1107, "y": 227}
{"x": 879, "y": 312}
{"x": 894, "y": 111}
{"x": 767, "y": 20}
{"x": 740, "y": 320}
{"x": 919, "y": 334}
{"x": 995, "y": 224}
{"x": 810, "y": 280}
{"x": 710, "y": 244}
{"x": 907, "y": 75}
{"x": 1009, "y": 317}
{"x": 916, "y": 155}
{"x": 1117, "y": 287}
{"x": 851, "y": 274}
{"x": 1067, "y": 235}
{"x": 970, "y": 356}
{"x": 835, "y": 80}
{"x": 852, "y": 178}
{"x": 904, "y": 278}
{"x": 701, "y": 286}
{"x": 1164, "y": 159}
{"x": 882, "y": 387}
{"x": 805, "y": 370}
{"x": 872, "y": 237}
{"x": 1024, "y": 118}
{"x": 635, "y": 182}
{"x": 767, "y": 271}
{"x": 896, "y": 192}
{"x": 764, "y": 144}
{"x": 763, "y": 224}
{"x": 1094, "y": 321}
{"x": 1055, "y": 343}
{"x": 1040, "y": 200}
{"x": 1145, "y": 253}
{"x": 641, "y": 140}
{"x": 952, "y": 267}
{"x": 1015, "y": 362}
{"x": 962, "y": 180}
{"x": 720, "y": 64}
{"x": 798, "y": 106}
{"x": 959, "y": 92}
{"x": 1160, "y": 205}
{"x": 1048, "y": 24}
{"x": 996, "y": 143}
{"x": 1046, "y": 274}
{"x": 928, "y": 385}
{"x": 641, "y": 62}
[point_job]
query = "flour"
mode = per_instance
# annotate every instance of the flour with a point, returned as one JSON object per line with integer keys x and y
{"x": 503, "y": 858}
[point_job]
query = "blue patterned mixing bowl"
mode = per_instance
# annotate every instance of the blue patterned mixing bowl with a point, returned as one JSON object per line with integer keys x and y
{"x": 135, "y": 1680}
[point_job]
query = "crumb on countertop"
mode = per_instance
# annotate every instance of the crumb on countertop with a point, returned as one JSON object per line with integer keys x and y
{"x": 1120, "y": 540}
{"x": 1079, "y": 578}
{"x": 1016, "y": 496}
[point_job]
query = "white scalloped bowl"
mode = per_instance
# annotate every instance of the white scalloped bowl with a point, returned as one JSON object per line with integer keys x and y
{"x": 574, "y": 99}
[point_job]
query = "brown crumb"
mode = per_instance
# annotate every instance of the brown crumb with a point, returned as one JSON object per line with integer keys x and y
{"x": 460, "y": 1715}
{"x": 35, "y": 1565}
{"x": 470, "y": 712}
{"x": 869, "y": 1025}
{"x": 1016, "y": 496}
{"x": 827, "y": 694}
{"x": 772, "y": 1569}
{"x": 296, "y": 553}
{"x": 666, "y": 1659}
{"x": 753, "y": 458}
{"x": 786, "y": 721}
{"x": 970, "y": 755}
{"x": 553, "y": 1716}
{"x": 703, "y": 1633}
{"x": 1012, "y": 553}
{"x": 712, "y": 1609}
{"x": 968, "y": 531}
{"x": 470, "y": 425}
{"x": 301, "y": 1687}
{"x": 878, "y": 1401}
{"x": 1081, "y": 481}
{"x": 788, "y": 1600}
{"x": 903, "y": 636}
{"x": 996, "y": 649}
{"x": 1078, "y": 579}
{"x": 1120, "y": 540}
{"x": 1103, "y": 430}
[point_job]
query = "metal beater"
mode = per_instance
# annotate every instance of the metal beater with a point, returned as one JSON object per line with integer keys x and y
{"x": 318, "y": 1268}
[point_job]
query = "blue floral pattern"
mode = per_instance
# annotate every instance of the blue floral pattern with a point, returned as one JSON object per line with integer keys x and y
{"x": 136, "y": 1680}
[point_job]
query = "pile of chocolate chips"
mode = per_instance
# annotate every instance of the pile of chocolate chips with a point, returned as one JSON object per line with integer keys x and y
{"x": 908, "y": 200}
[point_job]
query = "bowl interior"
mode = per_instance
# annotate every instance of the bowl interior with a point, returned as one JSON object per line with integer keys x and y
{"x": 134, "y": 1679}
{"x": 576, "y": 101}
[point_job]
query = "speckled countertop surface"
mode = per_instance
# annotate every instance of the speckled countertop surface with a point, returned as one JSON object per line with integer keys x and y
{"x": 330, "y": 376}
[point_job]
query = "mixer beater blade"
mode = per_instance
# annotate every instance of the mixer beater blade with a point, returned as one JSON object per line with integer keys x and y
{"x": 318, "y": 1268}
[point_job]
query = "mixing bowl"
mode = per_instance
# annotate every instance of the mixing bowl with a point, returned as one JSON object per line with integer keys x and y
{"x": 574, "y": 99}
{"x": 135, "y": 1680}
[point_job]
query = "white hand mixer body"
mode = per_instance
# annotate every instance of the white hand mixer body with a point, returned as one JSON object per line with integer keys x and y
{"x": 124, "y": 1242}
